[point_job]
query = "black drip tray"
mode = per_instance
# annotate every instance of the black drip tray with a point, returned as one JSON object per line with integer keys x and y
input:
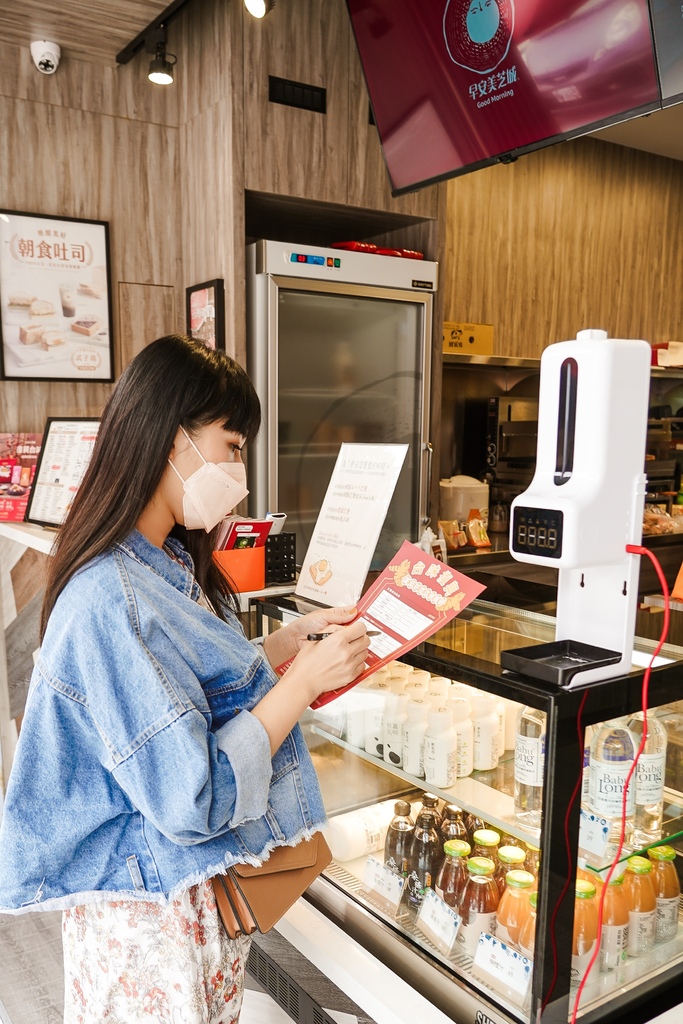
{"x": 557, "y": 662}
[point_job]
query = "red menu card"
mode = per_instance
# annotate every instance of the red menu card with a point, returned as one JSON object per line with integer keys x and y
{"x": 413, "y": 597}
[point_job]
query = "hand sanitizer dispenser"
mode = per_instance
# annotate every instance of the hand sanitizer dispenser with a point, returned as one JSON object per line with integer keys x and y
{"x": 585, "y": 504}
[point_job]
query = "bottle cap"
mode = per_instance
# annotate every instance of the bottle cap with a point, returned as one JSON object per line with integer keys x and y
{"x": 661, "y": 853}
{"x": 452, "y": 811}
{"x": 486, "y": 837}
{"x": 618, "y": 880}
{"x": 440, "y": 684}
{"x": 421, "y": 676}
{"x": 429, "y": 800}
{"x": 584, "y": 890}
{"x": 417, "y": 709}
{"x": 456, "y": 848}
{"x": 440, "y": 719}
{"x": 534, "y": 849}
{"x": 483, "y": 703}
{"x": 415, "y": 687}
{"x": 639, "y": 865}
{"x": 460, "y": 707}
{"x": 511, "y": 855}
{"x": 402, "y": 807}
{"x": 533, "y": 899}
{"x": 519, "y": 879}
{"x": 480, "y": 866}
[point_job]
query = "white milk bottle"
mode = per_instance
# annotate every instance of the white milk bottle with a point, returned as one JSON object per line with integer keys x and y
{"x": 440, "y": 748}
{"x": 414, "y": 728}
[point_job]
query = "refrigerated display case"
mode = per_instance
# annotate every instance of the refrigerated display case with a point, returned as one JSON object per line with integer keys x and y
{"x": 339, "y": 347}
{"x": 357, "y": 893}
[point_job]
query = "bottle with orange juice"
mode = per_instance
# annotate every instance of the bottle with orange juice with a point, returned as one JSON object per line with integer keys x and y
{"x": 585, "y": 927}
{"x": 527, "y": 935}
{"x": 513, "y": 908}
{"x": 667, "y": 891}
{"x": 642, "y": 905}
{"x": 614, "y": 934}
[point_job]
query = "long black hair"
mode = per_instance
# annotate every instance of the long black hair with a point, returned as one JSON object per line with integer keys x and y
{"x": 174, "y": 382}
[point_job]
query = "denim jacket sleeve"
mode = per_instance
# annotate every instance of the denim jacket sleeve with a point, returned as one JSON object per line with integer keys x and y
{"x": 137, "y": 666}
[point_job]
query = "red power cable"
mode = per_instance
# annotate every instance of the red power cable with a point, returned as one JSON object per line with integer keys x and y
{"x": 632, "y": 549}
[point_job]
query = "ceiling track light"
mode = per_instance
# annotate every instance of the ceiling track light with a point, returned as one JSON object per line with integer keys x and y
{"x": 259, "y": 8}
{"x": 161, "y": 66}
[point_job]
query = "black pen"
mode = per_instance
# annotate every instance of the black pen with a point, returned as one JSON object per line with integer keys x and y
{"x": 321, "y": 636}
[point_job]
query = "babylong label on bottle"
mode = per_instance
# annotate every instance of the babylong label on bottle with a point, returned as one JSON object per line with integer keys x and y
{"x": 650, "y": 778}
{"x": 608, "y": 780}
{"x": 529, "y": 760}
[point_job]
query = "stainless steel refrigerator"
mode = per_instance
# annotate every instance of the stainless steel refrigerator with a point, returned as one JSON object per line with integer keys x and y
{"x": 339, "y": 346}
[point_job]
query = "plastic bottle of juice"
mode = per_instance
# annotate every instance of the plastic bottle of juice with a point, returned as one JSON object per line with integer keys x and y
{"x": 399, "y": 839}
{"x": 510, "y": 858}
{"x": 485, "y": 843}
{"x": 667, "y": 891}
{"x": 642, "y": 905}
{"x": 527, "y": 936}
{"x": 451, "y": 879}
{"x": 425, "y": 858}
{"x": 452, "y": 824}
{"x": 478, "y": 904}
{"x": 614, "y": 934}
{"x": 585, "y": 927}
{"x": 513, "y": 908}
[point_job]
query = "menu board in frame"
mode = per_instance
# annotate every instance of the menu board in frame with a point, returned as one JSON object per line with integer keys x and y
{"x": 67, "y": 447}
{"x": 55, "y": 298}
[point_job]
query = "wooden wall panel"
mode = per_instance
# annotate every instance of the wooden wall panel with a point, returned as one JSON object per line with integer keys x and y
{"x": 58, "y": 159}
{"x": 584, "y": 234}
{"x": 211, "y": 144}
{"x": 122, "y": 91}
{"x": 289, "y": 151}
{"x": 146, "y": 312}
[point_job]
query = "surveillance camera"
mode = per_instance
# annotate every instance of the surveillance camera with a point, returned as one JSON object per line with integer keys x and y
{"x": 45, "y": 56}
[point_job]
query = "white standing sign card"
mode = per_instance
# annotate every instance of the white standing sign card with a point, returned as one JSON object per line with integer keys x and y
{"x": 64, "y": 457}
{"x": 349, "y": 523}
{"x": 383, "y": 886}
{"x": 502, "y": 968}
{"x": 438, "y": 922}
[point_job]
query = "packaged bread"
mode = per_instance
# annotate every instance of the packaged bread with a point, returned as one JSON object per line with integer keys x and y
{"x": 51, "y": 339}
{"x": 41, "y": 307}
{"x": 31, "y": 332}
{"x": 21, "y": 300}
{"x": 87, "y": 324}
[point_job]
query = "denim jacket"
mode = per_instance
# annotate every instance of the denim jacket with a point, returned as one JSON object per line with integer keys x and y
{"x": 139, "y": 769}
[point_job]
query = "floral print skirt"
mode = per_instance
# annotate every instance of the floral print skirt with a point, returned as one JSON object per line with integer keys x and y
{"x": 130, "y": 962}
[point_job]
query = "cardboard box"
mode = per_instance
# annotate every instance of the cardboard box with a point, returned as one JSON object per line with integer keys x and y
{"x": 468, "y": 339}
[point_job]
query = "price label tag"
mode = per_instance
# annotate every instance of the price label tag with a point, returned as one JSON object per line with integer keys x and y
{"x": 593, "y": 833}
{"x": 383, "y": 883}
{"x": 438, "y": 922}
{"x": 502, "y": 968}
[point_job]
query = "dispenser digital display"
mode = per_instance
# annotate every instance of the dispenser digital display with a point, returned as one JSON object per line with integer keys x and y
{"x": 537, "y": 531}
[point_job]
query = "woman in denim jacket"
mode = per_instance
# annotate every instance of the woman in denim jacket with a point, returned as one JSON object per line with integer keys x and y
{"x": 158, "y": 746}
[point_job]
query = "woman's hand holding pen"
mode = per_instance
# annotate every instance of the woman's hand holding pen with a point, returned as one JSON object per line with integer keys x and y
{"x": 284, "y": 643}
{"x": 319, "y": 666}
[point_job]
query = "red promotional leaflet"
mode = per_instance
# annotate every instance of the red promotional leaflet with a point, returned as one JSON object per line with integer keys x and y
{"x": 18, "y": 459}
{"x": 413, "y": 597}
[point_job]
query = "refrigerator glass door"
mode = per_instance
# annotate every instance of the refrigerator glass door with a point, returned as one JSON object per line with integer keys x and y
{"x": 351, "y": 367}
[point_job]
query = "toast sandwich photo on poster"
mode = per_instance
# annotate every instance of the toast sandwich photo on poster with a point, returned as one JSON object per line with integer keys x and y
{"x": 412, "y": 598}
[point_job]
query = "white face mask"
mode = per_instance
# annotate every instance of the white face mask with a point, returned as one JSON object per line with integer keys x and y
{"x": 211, "y": 492}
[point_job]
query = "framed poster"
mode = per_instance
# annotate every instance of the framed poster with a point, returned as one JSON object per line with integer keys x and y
{"x": 64, "y": 457}
{"x": 206, "y": 313}
{"x": 55, "y": 298}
